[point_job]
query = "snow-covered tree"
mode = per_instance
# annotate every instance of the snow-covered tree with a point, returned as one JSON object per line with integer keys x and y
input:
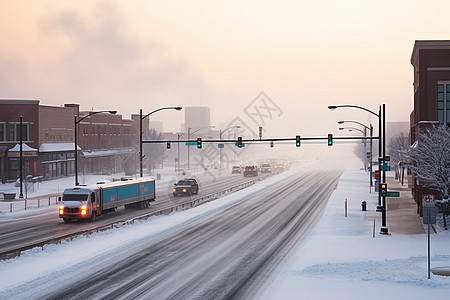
{"x": 430, "y": 159}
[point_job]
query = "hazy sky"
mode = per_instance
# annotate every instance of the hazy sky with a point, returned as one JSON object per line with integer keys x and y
{"x": 304, "y": 55}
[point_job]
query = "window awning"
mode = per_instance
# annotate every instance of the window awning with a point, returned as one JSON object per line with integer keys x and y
{"x": 57, "y": 147}
{"x": 27, "y": 151}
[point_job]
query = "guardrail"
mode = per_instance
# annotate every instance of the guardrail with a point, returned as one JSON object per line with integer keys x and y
{"x": 182, "y": 206}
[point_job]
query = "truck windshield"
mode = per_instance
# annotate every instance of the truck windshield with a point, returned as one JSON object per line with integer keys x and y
{"x": 184, "y": 182}
{"x": 76, "y": 197}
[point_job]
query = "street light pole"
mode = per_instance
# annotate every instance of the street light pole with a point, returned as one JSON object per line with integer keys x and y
{"x": 220, "y": 138}
{"x": 365, "y": 145}
{"x": 141, "y": 133}
{"x": 189, "y": 147}
{"x": 178, "y": 146}
{"x": 21, "y": 158}
{"x": 381, "y": 152}
{"x": 189, "y": 137}
{"x": 113, "y": 112}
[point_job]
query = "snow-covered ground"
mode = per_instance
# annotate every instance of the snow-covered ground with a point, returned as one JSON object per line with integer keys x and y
{"x": 339, "y": 260}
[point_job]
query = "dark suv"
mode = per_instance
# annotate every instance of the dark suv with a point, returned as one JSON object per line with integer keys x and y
{"x": 185, "y": 187}
{"x": 250, "y": 171}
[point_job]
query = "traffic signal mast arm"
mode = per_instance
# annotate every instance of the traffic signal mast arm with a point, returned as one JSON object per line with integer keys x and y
{"x": 293, "y": 139}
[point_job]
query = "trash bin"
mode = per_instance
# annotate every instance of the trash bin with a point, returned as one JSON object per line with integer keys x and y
{"x": 363, "y": 205}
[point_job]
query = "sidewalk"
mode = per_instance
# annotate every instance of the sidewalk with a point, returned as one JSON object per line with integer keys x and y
{"x": 402, "y": 217}
{"x": 401, "y": 214}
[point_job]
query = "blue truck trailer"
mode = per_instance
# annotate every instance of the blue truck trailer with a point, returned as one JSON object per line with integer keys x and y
{"x": 88, "y": 202}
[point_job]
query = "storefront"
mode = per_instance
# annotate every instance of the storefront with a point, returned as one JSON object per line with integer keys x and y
{"x": 57, "y": 159}
{"x": 29, "y": 161}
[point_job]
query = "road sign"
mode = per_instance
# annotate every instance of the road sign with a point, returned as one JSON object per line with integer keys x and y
{"x": 428, "y": 201}
{"x": 377, "y": 174}
{"x": 392, "y": 194}
{"x": 191, "y": 143}
{"x": 221, "y": 145}
{"x": 386, "y": 167}
{"x": 429, "y": 215}
{"x": 387, "y": 158}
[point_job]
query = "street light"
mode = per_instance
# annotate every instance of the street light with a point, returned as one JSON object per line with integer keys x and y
{"x": 370, "y": 143}
{"x": 189, "y": 137}
{"x": 220, "y": 137}
{"x": 140, "y": 131}
{"x": 113, "y": 112}
{"x": 178, "y": 150}
{"x": 351, "y": 129}
{"x": 381, "y": 152}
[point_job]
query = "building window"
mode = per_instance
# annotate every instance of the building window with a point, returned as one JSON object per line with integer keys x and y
{"x": 2, "y": 132}
{"x": 444, "y": 102}
{"x": 14, "y": 131}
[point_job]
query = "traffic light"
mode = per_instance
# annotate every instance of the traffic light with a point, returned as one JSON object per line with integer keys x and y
{"x": 239, "y": 142}
{"x": 330, "y": 139}
{"x": 297, "y": 141}
{"x": 168, "y": 145}
{"x": 199, "y": 143}
{"x": 383, "y": 189}
{"x": 271, "y": 143}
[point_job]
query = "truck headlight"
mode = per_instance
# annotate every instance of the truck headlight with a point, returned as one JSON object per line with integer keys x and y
{"x": 83, "y": 209}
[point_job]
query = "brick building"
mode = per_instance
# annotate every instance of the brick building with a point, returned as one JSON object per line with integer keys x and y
{"x": 431, "y": 62}
{"x": 106, "y": 143}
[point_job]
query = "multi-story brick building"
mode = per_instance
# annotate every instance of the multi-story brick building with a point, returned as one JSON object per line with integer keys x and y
{"x": 431, "y": 62}
{"x": 106, "y": 143}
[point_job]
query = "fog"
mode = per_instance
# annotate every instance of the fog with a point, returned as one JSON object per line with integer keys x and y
{"x": 303, "y": 55}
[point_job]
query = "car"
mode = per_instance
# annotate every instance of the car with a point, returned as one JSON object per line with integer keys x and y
{"x": 236, "y": 170}
{"x": 266, "y": 168}
{"x": 250, "y": 171}
{"x": 185, "y": 187}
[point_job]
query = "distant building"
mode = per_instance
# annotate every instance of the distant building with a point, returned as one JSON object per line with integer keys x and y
{"x": 197, "y": 119}
{"x": 431, "y": 62}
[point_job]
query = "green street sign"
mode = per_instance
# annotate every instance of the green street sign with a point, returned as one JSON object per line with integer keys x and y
{"x": 392, "y": 194}
{"x": 191, "y": 143}
{"x": 386, "y": 167}
{"x": 236, "y": 144}
{"x": 221, "y": 145}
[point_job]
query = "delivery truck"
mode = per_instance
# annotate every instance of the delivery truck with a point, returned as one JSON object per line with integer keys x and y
{"x": 89, "y": 202}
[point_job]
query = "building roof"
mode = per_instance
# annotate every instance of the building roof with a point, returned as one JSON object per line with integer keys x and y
{"x": 18, "y": 101}
{"x": 99, "y": 153}
{"x": 57, "y": 147}
{"x": 25, "y": 147}
{"x": 428, "y": 44}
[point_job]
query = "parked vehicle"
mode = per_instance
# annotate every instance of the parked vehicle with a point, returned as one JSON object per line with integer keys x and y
{"x": 185, "y": 187}
{"x": 250, "y": 171}
{"x": 88, "y": 202}
{"x": 266, "y": 168}
{"x": 236, "y": 170}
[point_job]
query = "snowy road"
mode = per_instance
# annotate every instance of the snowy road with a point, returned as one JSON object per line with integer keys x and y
{"x": 223, "y": 254}
{"x": 43, "y": 225}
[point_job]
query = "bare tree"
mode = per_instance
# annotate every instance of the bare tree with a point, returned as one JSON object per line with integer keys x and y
{"x": 154, "y": 153}
{"x": 398, "y": 148}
